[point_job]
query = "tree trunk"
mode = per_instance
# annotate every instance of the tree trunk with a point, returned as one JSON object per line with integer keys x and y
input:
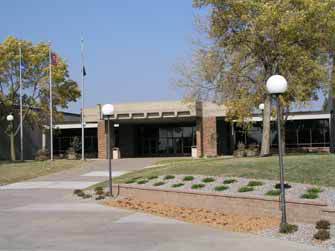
{"x": 265, "y": 148}
{"x": 12, "y": 146}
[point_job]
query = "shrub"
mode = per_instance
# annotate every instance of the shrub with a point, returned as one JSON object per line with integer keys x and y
{"x": 288, "y": 228}
{"x": 245, "y": 189}
{"x": 310, "y": 196}
{"x": 100, "y": 197}
{"x": 197, "y": 186}
{"x": 229, "y": 181}
{"x": 99, "y": 192}
{"x": 96, "y": 189}
{"x": 221, "y": 188}
{"x": 208, "y": 180}
{"x": 86, "y": 196}
{"x": 255, "y": 183}
{"x": 153, "y": 177}
{"x": 314, "y": 190}
{"x": 188, "y": 178}
{"x": 42, "y": 154}
{"x": 142, "y": 182}
{"x": 322, "y": 224}
{"x": 160, "y": 183}
{"x": 322, "y": 235}
{"x": 275, "y": 192}
{"x": 77, "y": 191}
{"x": 130, "y": 181}
{"x": 169, "y": 177}
{"x": 178, "y": 185}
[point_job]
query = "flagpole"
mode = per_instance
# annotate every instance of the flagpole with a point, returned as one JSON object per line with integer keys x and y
{"x": 51, "y": 106}
{"x": 21, "y": 108}
{"x": 82, "y": 101}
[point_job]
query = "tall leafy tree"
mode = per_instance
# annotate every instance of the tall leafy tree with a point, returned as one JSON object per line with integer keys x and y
{"x": 35, "y": 78}
{"x": 254, "y": 39}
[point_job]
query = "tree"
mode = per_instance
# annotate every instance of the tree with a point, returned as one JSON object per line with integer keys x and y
{"x": 255, "y": 39}
{"x": 35, "y": 79}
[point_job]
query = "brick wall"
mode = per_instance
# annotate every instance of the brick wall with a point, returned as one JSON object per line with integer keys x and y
{"x": 102, "y": 144}
{"x": 297, "y": 211}
{"x": 209, "y": 136}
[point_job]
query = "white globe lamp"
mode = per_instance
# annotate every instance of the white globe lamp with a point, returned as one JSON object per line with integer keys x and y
{"x": 261, "y": 107}
{"x": 10, "y": 117}
{"x": 107, "y": 110}
{"x": 276, "y": 84}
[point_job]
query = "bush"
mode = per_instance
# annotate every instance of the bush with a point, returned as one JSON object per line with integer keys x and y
{"x": 96, "y": 189}
{"x": 153, "y": 177}
{"x": 208, "y": 180}
{"x": 220, "y": 188}
{"x": 288, "y": 228}
{"x": 255, "y": 183}
{"x": 130, "y": 181}
{"x": 77, "y": 191}
{"x": 169, "y": 177}
{"x": 86, "y": 196}
{"x": 142, "y": 182}
{"x": 188, "y": 178}
{"x": 42, "y": 155}
{"x": 197, "y": 186}
{"x": 178, "y": 185}
{"x": 322, "y": 235}
{"x": 310, "y": 196}
{"x": 229, "y": 181}
{"x": 322, "y": 224}
{"x": 100, "y": 197}
{"x": 314, "y": 190}
{"x": 160, "y": 183}
{"x": 245, "y": 189}
{"x": 275, "y": 192}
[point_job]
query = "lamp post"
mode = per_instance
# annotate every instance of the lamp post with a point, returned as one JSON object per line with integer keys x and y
{"x": 10, "y": 119}
{"x": 107, "y": 111}
{"x": 277, "y": 85}
{"x": 261, "y": 108}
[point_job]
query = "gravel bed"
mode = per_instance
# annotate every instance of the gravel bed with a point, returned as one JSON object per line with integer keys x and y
{"x": 304, "y": 235}
{"x": 295, "y": 192}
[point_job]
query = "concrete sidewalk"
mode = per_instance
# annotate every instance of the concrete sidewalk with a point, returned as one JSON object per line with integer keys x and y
{"x": 53, "y": 219}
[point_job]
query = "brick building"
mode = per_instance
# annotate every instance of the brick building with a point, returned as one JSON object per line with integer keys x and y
{"x": 173, "y": 128}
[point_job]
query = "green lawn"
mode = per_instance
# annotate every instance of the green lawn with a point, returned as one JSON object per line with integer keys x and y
{"x": 17, "y": 171}
{"x": 315, "y": 169}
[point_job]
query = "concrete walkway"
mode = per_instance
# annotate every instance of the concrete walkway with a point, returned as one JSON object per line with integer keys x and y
{"x": 52, "y": 219}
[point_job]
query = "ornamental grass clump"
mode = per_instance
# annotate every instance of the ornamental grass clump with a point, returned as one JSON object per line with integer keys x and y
{"x": 255, "y": 183}
{"x": 275, "y": 192}
{"x": 188, "y": 178}
{"x": 288, "y": 228}
{"x": 312, "y": 193}
{"x": 177, "y": 185}
{"x": 153, "y": 177}
{"x": 169, "y": 177}
{"x": 140, "y": 182}
{"x": 99, "y": 191}
{"x": 130, "y": 181}
{"x": 221, "y": 188}
{"x": 322, "y": 235}
{"x": 197, "y": 186}
{"x": 160, "y": 183}
{"x": 208, "y": 180}
{"x": 229, "y": 181}
{"x": 322, "y": 224}
{"x": 245, "y": 189}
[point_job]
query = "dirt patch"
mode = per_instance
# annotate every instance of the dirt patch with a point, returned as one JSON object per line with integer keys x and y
{"x": 236, "y": 223}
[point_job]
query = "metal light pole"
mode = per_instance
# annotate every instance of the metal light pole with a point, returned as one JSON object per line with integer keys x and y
{"x": 261, "y": 108}
{"x": 277, "y": 85}
{"x": 107, "y": 111}
{"x": 10, "y": 119}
